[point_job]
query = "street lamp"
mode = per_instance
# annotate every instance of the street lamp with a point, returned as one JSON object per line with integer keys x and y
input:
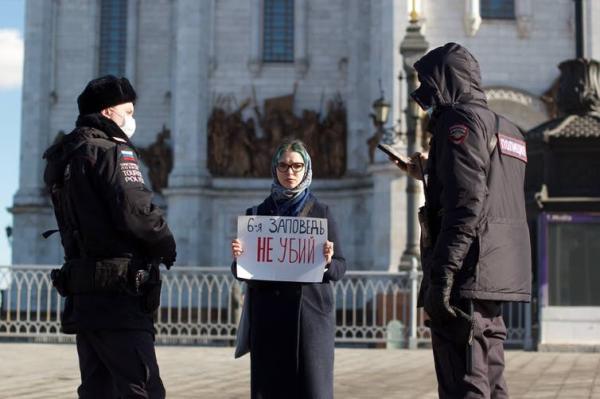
{"x": 380, "y": 115}
{"x": 382, "y": 111}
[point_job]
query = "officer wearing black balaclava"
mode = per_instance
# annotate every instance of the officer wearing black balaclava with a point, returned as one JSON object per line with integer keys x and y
{"x": 475, "y": 246}
{"x": 114, "y": 238}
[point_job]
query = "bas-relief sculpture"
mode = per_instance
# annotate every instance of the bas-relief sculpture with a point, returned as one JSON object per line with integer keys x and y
{"x": 239, "y": 147}
{"x": 158, "y": 157}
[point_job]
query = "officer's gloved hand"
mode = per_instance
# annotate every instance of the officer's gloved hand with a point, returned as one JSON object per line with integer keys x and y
{"x": 437, "y": 301}
{"x": 169, "y": 260}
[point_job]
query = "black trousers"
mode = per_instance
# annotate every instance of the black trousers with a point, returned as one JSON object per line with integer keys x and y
{"x": 118, "y": 364}
{"x": 449, "y": 341}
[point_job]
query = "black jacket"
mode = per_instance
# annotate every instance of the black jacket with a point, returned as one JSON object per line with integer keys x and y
{"x": 98, "y": 169}
{"x": 292, "y": 326}
{"x": 475, "y": 183}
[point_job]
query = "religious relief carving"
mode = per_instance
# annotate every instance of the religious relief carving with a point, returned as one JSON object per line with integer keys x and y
{"x": 239, "y": 147}
{"x": 158, "y": 157}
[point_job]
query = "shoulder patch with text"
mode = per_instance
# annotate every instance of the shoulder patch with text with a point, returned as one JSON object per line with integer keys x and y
{"x": 458, "y": 133}
{"x": 131, "y": 172}
{"x": 130, "y": 169}
{"x": 512, "y": 147}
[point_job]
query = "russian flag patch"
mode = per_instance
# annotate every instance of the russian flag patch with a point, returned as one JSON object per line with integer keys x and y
{"x": 127, "y": 156}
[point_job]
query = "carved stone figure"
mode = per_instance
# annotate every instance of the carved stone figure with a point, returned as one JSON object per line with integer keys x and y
{"x": 158, "y": 157}
{"x": 236, "y": 149}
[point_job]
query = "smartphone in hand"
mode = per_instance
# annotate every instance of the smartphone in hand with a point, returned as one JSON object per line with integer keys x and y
{"x": 401, "y": 160}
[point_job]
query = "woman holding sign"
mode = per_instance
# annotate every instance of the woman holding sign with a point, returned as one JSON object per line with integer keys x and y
{"x": 292, "y": 325}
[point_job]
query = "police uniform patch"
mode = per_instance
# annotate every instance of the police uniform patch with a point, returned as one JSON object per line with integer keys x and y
{"x": 512, "y": 147}
{"x": 127, "y": 156}
{"x": 131, "y": 172}
{"x": 458, "y": 133}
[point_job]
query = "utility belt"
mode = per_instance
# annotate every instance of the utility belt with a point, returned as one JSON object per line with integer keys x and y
{"x": 113, "y": 275}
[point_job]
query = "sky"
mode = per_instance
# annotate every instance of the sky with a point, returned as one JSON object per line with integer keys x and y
{"x": 12, "y": 21}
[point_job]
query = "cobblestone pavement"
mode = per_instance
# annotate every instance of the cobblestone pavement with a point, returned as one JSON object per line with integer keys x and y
{"x": 50, "y": 371}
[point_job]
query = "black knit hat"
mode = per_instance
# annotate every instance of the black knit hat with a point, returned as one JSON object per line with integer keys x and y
{"x": 104, "y": 92}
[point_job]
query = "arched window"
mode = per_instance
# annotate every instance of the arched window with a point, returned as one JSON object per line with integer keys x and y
{"x": 113, "y": 37}
{"x": 498, "y": 9}
{"x": 278, "y": 34}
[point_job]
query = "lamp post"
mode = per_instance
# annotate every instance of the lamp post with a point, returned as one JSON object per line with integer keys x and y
{"x": 380, "y": 114}
{"x": 381, "y": 109}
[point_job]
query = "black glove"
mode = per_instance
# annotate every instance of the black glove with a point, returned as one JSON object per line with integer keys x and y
{"x": 437, "y": 301}
{"x": 169, "y": 260}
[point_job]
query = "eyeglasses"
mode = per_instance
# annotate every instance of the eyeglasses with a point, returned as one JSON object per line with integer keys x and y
{"x": 296, "y": 167}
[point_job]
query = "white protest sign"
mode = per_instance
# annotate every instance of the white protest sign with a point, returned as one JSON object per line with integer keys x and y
{"x": 279, "y": 248}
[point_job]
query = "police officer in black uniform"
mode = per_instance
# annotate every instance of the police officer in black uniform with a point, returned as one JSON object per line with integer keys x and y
{"x": 114, "y": 237}
{"x": 475, "y": 239}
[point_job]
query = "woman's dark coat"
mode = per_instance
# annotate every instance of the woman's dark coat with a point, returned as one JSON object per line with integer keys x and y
{"x": 292, "y": 327}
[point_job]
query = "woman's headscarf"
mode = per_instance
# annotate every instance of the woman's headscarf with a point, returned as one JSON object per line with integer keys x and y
{"x": 291, "y": 201}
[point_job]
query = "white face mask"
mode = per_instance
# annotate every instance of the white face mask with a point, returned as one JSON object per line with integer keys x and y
{"x": 128, "y": 126}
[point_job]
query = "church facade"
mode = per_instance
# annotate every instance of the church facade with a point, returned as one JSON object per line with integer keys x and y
{"x": 220, "y": 82}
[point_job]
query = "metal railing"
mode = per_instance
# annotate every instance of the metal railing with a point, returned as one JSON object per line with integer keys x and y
{"x": 202, "y": 305}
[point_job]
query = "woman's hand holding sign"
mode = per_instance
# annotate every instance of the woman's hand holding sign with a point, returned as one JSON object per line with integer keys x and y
{"x": 236, "y": 248}
{"x": 328, "y": 251}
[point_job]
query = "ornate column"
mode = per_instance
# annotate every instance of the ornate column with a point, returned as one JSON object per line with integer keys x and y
{"x": 256, "y": 29}
{"x": 472, "y": 18}
{"x": 301, "y": 37}
{"x": 524, "y": 16}
{"x": 388, "y": 210}
{"x": 358, "y": 84}
{"x": 412, "y": 48}
{"x": 133, "y": 16}
{"x": 31, "y": 211}
{"x": 190, "y": 102}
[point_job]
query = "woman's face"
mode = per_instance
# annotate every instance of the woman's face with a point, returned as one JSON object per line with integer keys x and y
{"x": 290, "y": 169}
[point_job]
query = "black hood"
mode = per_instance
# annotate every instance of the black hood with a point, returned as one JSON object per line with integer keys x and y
{"x": 449, "y": 75}
{"x": 87, "y": 126}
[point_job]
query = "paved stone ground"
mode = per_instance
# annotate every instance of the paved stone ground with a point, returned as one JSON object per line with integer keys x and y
{"x": 50, "y": 371}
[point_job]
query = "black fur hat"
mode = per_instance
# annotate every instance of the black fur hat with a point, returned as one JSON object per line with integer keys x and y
{"x": 105, "y": 92}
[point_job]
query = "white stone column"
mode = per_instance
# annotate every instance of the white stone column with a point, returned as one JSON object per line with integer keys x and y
{"x": 592, "y": 30}
{"x": 187, "y": 209}
{"x": 212, "y": 50}
{"x": 385, "y": 59}
{"x": 358, "y": 85}
{"x": 133, "y": 17}
{"x": 256, "y": 36}
{"x": 35, "y": 100}
{"x": 31, "y": 211}
{"x": 524, "y": 16}
{"x": 472, "y": 18}
{"x": 388, "y": 216}
{"x": 301, "y": 37}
